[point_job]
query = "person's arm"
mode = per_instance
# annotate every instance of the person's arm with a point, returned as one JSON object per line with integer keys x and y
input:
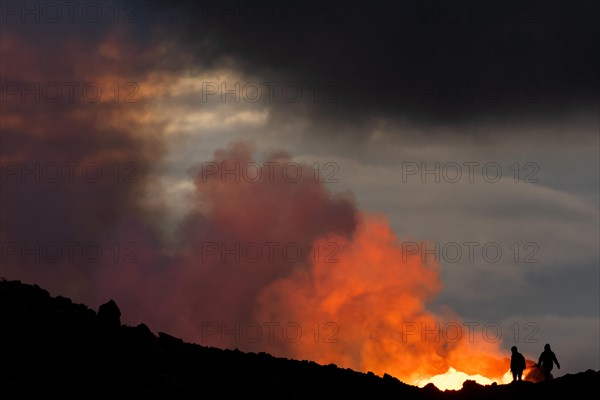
{"x": 556, "y": 362}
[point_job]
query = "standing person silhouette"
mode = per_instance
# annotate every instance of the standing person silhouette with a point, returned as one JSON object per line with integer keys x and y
{"x": 547, "y": 361}
{"x": 517, "y": 364}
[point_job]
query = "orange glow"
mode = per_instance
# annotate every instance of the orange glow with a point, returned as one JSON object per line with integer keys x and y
{"x": 374, "y": 294}
{"x": 453, "y": 380}
{"x": 365, "y": 298}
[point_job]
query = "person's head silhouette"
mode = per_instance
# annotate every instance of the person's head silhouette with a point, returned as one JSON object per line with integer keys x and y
{"x": 546, "y": 346}
{"x": 513, "y": 349}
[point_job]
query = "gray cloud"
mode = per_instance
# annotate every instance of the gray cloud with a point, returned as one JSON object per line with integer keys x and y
{"x": 428, "y": 63}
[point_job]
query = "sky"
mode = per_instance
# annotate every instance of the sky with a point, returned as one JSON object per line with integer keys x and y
{"x": 188, "y": 158}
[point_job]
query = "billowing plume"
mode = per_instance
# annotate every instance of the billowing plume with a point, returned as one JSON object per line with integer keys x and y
{"x": 273, "y": 261}
{"x": 266, "y": 259}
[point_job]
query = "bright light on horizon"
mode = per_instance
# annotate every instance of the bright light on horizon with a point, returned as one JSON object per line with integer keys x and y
{"x": 453, "y": 380}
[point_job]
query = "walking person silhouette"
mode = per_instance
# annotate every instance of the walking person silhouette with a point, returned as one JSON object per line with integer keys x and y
{"x": 547, "y": 361}
{"x": 517, "y": 364}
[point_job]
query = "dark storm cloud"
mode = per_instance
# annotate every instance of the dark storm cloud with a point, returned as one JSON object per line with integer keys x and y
{"x": 430, "y": 63}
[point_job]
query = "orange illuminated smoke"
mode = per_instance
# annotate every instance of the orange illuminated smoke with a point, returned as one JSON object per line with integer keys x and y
{"x": 376, "y": 296}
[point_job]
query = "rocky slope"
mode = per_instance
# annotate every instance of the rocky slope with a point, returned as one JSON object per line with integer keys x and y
{"x": 49, "y": 345}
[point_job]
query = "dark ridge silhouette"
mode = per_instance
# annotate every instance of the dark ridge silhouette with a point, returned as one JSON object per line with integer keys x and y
{"x": 52, "y": 346}
{"x": 110, "y": 314}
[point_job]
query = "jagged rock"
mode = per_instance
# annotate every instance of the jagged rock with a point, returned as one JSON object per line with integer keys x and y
{"x": 110, "y": 314}
{"x": 430, "y": 387}
{"x": 388, "y": 378}
{"x": 145, "y": 332}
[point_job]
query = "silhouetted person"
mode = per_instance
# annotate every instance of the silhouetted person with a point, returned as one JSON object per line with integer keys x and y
{"x": 547, "y": 361}
{"x": 517, "y": 364}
